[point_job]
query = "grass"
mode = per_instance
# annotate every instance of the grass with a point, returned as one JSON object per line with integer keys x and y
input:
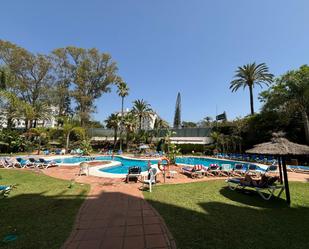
{"x": 41, "y": 210}
{"x": 209, "y": 215}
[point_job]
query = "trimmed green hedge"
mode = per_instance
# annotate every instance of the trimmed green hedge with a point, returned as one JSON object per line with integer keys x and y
{"x": 188, "y": 148}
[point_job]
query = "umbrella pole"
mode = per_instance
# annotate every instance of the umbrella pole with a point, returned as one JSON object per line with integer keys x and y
{"x": 286, "y": 182}
{"x": 280, "y": 169}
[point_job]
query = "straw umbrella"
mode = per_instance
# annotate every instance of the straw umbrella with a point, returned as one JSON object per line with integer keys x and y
{"x": 281, "y": 148}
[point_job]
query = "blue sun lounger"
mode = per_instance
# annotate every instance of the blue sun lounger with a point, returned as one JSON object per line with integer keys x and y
{"x": 5, "y": 190}
{"x": 298, "y": 169}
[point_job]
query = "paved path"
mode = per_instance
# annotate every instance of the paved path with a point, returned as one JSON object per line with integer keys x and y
{"x": 118, "y": 217}
{"x": 115, "y": 215}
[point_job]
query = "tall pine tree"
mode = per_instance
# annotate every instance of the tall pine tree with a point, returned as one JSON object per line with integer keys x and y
{"x": 177, "y": 117}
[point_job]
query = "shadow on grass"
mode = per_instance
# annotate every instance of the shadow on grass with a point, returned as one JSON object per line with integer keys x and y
{"x": 238, "y": 221}
{"x": 251, "y": 198}
{"x": 38, "y": 220}
{"x": 246, "y": 222}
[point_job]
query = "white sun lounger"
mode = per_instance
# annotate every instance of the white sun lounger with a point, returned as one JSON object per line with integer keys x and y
{"x": 235, "y": 183}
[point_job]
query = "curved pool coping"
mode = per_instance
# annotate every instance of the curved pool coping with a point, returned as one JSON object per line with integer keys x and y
{"x": 95, "y": 170}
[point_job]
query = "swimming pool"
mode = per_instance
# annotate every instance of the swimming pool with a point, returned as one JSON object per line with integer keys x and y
{"x": 207, "y": 161}
{"x": 125, "y": 164}
{"x": 121, "y": 164}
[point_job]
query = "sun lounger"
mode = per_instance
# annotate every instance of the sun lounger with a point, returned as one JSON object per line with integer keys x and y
{"x": 213, "y": 169}
{"x": 298, "y": 169}
{"x": 195, "y": 171}
{"x": 5, "y": 190}
{"x": 24, "y": 162}
{"x": 12, "y": 162}
{"x": 189, "y": 171}
{"x": 4, "y": 163}
{"x": 133, "y": 173}
{"x": 239, "y": 170}
{"x": 43, "y": 163}
{"x": 225, "y": 170}
{"x": 32, "y": 162}
{"x": 269, "y": 186}
{"x": 252, "y": 169}
{"x": 272, "y": 169}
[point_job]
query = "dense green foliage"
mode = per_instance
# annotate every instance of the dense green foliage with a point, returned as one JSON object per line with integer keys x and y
{"x": 189, "y": 148}
{"x": 44, "y": 81}
{"x": 221, "y": 218}
{"x": 289, "y": 100}
{"x": 41, "y": 210}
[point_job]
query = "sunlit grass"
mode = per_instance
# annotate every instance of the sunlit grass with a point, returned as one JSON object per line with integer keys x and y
{"x": 209, "y": 215}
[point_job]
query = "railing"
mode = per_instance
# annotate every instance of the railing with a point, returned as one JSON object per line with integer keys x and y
{"x": 184, "y": 132}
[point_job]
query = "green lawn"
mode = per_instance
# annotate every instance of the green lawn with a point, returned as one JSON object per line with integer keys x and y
{"x": 41, "y": 210}
{"x": 209, "y": 215}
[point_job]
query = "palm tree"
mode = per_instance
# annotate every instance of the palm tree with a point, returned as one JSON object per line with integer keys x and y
{"x": 112, "y": 122}
{"x": 250, "y": 75}
{"x": 40, "y": 134}
{"x": 123, "y": 91}
{"x": 130, "y": 124}
{"x": 142, "y": 109}
{"x": 215, "y": 138}
{"x": 160, "y": 124}
{"x": 13, "y": 107}
{"x": 69, "y": 126}
{"x": 42, "y": 112}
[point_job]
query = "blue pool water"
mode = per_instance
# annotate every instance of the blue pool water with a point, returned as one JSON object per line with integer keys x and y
{"x": 207, "y": 161}
{"x": 71, "y": 160}
{"x": 126, "y": 163}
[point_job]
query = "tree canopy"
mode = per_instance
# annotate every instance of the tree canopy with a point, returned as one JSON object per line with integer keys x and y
{"x": 250, "y": 75}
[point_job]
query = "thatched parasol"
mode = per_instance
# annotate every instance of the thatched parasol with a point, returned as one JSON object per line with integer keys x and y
{"x": 280, "y": 147}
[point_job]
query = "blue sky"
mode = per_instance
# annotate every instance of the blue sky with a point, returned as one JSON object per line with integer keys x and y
{"x": 163, "y": 47}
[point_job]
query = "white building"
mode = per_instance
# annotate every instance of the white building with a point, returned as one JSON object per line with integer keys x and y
{"x": 147, "y": 122}
{"x": 51, "y": 122}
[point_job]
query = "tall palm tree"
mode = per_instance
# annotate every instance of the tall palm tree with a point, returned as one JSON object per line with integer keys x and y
{"x": 40, "y": 134}
{"x": 123, "y": 91}
{"x": 69, "y": 126}
{"x": 130, "y": 124}
{"x": 113, "y": 122}
{"x": 142, "y": 109}
{"x": 160, "y": 124}
{"x": 250, "y": 75}
{"x": 42, "y": 112}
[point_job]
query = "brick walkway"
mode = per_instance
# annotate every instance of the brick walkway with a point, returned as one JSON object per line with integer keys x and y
{"x": 115, "y": 215}
{"x": 118, "y": 217}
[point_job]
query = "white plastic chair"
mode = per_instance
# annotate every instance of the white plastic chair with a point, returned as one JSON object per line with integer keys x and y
{"x": 152, "y": 178}
{"x": 83, "y": 169}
